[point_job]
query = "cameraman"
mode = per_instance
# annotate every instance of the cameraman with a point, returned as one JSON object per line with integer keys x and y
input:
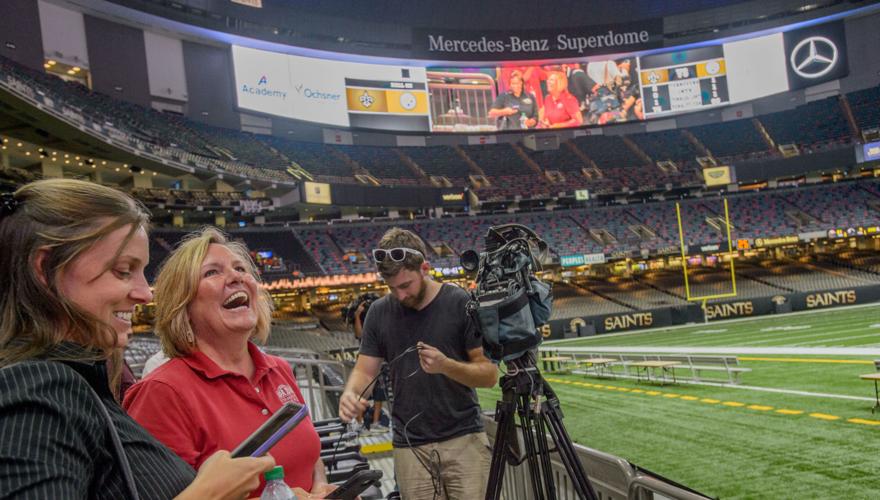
{"x": 421, "y": 328}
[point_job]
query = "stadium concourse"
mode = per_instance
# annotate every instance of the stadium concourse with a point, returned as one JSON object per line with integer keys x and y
{"x": 706, "y": 175}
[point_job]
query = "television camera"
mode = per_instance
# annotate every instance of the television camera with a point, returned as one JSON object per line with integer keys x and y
{"x": 349, "y": 310}
{"x": 508, "y": 305}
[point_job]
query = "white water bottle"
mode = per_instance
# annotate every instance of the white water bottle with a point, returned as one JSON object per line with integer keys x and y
{"x": 276, "y": 488}
{"x": 522, "y": 121}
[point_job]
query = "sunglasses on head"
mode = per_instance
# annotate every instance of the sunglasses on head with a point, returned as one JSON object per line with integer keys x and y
{"x": 395, "y": 254}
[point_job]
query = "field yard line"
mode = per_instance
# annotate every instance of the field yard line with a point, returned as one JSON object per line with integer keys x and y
{"x": 810, "y": 360}
{"x": 733, "y": 350}
{"x": 796, "y": 338}
{"x": 721, "y": 323}
{"x": 800, "y": 344}
{"x": 760, "y": 389}
{"x": 791, "y": 391}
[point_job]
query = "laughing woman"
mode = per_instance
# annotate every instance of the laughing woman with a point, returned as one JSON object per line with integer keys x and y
{"x": 72, "y": 258}
{"x": 218, "y": 386}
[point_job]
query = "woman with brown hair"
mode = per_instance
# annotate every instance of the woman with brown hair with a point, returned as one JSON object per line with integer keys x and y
{"x": 72, "y": 258}
{"x": 218, "y": 386}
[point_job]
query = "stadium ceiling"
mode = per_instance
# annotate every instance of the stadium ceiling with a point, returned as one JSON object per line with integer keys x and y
{"x": 462, "y": 14}
{"x": 386, "y": 28}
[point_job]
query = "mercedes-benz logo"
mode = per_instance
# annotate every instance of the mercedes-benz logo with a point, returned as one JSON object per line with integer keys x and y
{"x": 813, "y": 57}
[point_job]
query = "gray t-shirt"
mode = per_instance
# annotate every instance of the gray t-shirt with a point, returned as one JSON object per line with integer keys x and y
{"x": 448, "y": 409}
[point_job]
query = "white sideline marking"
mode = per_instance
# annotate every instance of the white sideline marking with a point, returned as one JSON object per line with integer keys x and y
{"x": 711, "y": 331}
{"x": 732, "y": 350}
{"x": 753, "y": 388}
{"x": 786, "y": 328}
{"x": 718, "y": 322}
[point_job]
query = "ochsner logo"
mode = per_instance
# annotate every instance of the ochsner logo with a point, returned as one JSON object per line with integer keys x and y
{"x": 262, "y": 89}
{"x": 321, "y": 95}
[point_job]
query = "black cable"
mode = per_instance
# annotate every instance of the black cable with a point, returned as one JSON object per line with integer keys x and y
{"x": 355, "y": 433}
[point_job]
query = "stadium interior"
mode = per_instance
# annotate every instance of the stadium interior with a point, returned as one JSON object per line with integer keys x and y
{"x": 674, "y": 220}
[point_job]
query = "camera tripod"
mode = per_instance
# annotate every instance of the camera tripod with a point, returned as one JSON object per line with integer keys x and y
{"x": 524, "y": 392}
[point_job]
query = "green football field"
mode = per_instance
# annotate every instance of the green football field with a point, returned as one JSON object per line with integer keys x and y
{"x": 799, "y": 425}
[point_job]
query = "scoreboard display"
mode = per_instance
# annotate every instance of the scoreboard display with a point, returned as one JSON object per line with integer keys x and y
{"x": 683, "y": 81}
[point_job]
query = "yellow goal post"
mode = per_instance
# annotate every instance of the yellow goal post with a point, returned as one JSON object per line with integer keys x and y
{"x": 684, "y": 256}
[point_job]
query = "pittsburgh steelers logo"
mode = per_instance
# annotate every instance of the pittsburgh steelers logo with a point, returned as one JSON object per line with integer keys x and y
{"x": 712, "y": 67}
{"x": 408, "y": 101}
{"x": 366, "y": 99}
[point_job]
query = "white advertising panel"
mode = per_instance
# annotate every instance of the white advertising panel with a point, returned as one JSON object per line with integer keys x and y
{"x": 332, "y": 92}
{"x": 757, "y": 67}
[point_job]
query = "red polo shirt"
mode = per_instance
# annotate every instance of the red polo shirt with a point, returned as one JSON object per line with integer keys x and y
{"x": 196, "y": 408}
{"x": 561, "y": 110}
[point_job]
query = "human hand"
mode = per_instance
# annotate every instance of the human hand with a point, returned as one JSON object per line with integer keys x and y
{"x": 320, "y": 491}
{"x": 225, "y": 478}
{"x": 431, "y": 359}
{"x": 351, "y": 406}
{"x": 531, "y": 122}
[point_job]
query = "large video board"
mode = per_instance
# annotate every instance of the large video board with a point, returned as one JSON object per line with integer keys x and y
{"x": 516, "y": 96}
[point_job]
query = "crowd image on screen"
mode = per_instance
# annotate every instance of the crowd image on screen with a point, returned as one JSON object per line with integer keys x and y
{"x": 555, "y": 96}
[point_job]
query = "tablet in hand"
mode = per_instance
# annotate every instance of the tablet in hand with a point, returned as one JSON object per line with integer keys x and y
{"x": 267, "y": 435}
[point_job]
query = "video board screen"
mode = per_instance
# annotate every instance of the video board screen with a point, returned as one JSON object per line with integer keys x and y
{"x": 517, "y": 96}
{"x": 512, "y": 97}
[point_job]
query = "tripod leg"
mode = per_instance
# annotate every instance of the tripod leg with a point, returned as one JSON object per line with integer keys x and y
{"x": 567, "y": 452}
{"x": 527, "y": 420}
{"x": 504, "y": 412}
{"x": 544, "y": 451}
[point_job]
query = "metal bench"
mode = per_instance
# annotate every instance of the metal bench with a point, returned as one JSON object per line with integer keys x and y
{"x": 699, "y": 365}
{"x": 727, "y": 364}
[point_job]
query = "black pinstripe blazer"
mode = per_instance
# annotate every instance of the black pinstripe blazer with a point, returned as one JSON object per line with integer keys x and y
{"x": 55, "y": 444}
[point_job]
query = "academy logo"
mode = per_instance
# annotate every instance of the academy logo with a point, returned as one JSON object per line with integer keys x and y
{"x": 814, "y": 57}
{"x": 262, "y": 89}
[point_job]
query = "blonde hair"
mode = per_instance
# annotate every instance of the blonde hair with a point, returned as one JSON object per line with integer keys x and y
{"x": 178, "y": 283}
{"x": 561, "y": 79}
{"x": 63, "y": 217}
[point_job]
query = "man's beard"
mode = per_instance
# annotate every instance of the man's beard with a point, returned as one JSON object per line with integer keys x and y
{"x": 413, "y": 302}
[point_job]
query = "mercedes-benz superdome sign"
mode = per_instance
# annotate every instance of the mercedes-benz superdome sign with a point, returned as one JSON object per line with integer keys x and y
{"x": 457, "y": 45}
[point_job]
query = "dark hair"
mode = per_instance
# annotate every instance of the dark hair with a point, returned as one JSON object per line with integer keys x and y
{"x": 65, "y": 217}
{"x": 401, "y": 238}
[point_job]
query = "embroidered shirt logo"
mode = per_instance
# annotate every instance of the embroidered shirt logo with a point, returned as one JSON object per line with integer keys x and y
{"x": 285, "y": 394}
